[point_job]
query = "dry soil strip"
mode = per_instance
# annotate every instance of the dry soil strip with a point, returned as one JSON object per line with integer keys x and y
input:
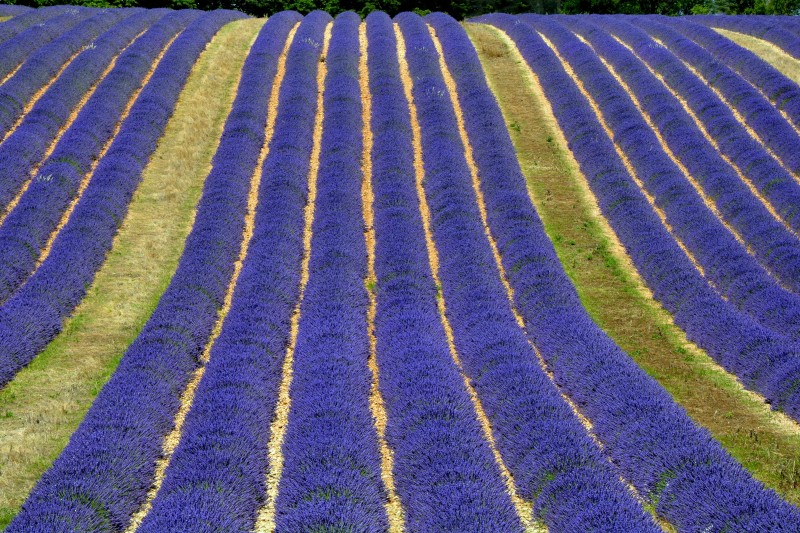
{"x": 46, "y": 401}
{"x": 524, "y": 509}
{"x": 766, "y": 442}
{"x": 265, "y": 521}
{"x": 477, "y": 188}
{"x": 11, "y": 74}
{"x": 38, "y": 94}
{"x": 70, "y": 120}
{"x": 394, "y": 507}
{"x": 172, "y": 439}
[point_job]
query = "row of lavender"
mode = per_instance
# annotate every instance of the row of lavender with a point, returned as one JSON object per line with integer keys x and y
{"x": 521, "y": 402}
{"x": 34, "y": 312}
{"x": 65, "y": 36}
{"x": 775, "y": 246}
{"x": 33, "y": 215}
{"x": 444, "y": 434}
{"x": 738, "y": 92}
{"x": 725, "y": 262}
{"x": 218, "y": 472}
{"x": 27, "y": 136}
{"x": 764, "y": 118}
{"x": 332, "y": 498}
{"x": 23, "y": 148}
{"x": 782, "y": 92}
{"x": 205, "y": 478}
{"x": 25, "y": 35}
{"x": 765, "y": 360}
{"x": 11, "y": 10}
{"x": 783, "y": 32}
{"x": 683, "y": 460}
{"x": 444, "y": 471}
{"x": 445, "y": 474}
{"x": 331, "y": 478}
{"x": 103, "y": 475}
{"x": 332, "y": 475}
{"x": 772, "y": 244}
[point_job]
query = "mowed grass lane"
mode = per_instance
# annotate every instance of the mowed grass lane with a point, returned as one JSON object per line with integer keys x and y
{"x": 46, "y": 401}
{"x": 765, "y": 442}
{"x": 786, "y": 64}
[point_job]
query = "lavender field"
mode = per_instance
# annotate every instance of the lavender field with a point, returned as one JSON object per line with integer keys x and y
{"x": 306, "y": 274}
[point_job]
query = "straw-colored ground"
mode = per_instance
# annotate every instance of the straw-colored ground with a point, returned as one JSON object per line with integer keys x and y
{"x": 786, "y": 64}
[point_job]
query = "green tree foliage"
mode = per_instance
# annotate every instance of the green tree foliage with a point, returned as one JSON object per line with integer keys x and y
{"x": 777, "y": 7}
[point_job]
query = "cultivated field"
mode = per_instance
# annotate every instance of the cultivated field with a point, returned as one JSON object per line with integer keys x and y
{"x": 305, "y": 274}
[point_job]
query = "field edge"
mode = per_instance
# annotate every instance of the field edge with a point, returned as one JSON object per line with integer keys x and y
{"x": 765, "y": 442}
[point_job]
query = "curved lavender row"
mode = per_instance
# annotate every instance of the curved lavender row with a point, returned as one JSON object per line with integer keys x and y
{"x": 28, "y": 227}
{"x": 780, "y": 90}
{"x": 444, "y": 471}
{"x": 778, "y": 254}
{"x": 553, "y": 459}
{"x": 31, "y": 17}
{"x": 767, "y": 30}
{"x": 34, "y": 314}
{"x": 16, "y": 50}
{"x": 773, "y": 245}
{"x": 40, "y": 67}
{"x": 331, "y": 480}
{"x": 8, "y": 10}
{"x": 735, "y": 274}
{"x": 686, "y": 474}
{"x": 102, "y": 475}
{"x": 737, "y": 86}
{"x": 763, "y": 360}
{"x": 28, "y": 143}
{"x": 772, "y": 180}
{"x": 217, "y": 474}
{"x": 765, "y": 120}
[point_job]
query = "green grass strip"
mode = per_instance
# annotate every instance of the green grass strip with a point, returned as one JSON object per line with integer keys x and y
{"x": 765, "y": 442}
{"x": 46, "y": 401}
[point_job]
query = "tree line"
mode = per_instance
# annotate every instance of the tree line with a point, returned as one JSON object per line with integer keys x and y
{"x": 460, "y": 9}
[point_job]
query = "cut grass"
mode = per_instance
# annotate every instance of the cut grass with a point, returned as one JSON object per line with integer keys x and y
{"x": 765, "y": 442}
{"x": 46, "y": 401}
{"x": 786, "y": 64}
